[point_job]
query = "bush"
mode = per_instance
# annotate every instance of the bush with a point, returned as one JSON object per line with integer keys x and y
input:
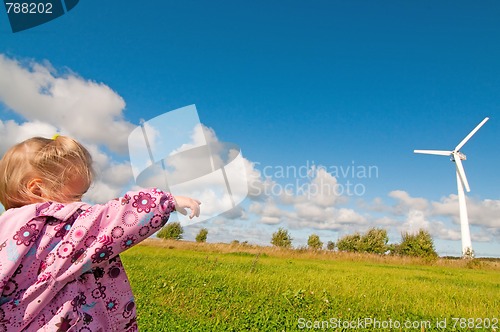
{"x": 474, "y": 263}
{"x": 416, "y": 245}
{"x": 374, "y": 241}
{"x": 172, "y": 230}
{"x": 349, "y": 243}
{"x": 202, "y": 235}
{"x": 314, "y": 242}
{"x": 281, "y": 239}
{"x": 330, "y": 245}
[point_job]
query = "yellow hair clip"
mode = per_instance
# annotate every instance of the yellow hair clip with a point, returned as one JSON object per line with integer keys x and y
{"x": 55, "y": 137}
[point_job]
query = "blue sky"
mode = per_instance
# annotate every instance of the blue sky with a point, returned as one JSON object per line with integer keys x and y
{"x": 336, "y": 83}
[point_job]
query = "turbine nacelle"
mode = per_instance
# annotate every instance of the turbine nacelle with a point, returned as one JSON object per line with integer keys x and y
{"x": 458, "y": 154}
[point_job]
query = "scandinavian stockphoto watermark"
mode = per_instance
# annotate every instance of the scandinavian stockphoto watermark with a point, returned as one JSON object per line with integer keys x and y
{"x": 312, "y": 180}
{"x": 176, "y": 153}
{"x": 26, "y": 14}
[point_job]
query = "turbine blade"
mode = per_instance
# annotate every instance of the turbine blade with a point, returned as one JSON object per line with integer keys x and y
{"x": 459, "y": 146}
{"x": 438, "y": 152}
{"x": 461, "y": 172}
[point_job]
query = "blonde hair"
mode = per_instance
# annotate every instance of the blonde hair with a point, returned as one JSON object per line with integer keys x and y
{"x": 55, "y": 162}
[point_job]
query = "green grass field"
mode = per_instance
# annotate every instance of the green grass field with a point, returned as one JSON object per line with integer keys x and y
{"x": 201, "y": 287}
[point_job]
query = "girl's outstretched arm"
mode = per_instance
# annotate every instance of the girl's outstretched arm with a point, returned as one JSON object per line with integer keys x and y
{"x": 102, "y": 231}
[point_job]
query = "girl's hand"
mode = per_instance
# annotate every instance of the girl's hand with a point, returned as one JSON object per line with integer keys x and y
{"x": 182, "y": 203}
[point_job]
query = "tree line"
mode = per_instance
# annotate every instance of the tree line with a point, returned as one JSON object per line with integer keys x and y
{"x": 373, "y": 241}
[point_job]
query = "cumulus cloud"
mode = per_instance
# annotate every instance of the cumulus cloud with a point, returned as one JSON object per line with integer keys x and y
{"x": 481, "y": 213}
{"x": 485, "y": 212}
{"x": 406, "y": 203}
{"x": 82, "y": 108}
{"x": 349, "y": 216}
{"x": 112, "y": 177}
{"x": 260, "y": 188}
{"x": 415, "y": 221}
{"x": 312, "y": 201}
{"x": 269, "y": 212}
{"x": 323, "y": 189}
{"x": 419, "y": 213}
{"x": 13, "y": 132}
{"x": 49, "y": 102}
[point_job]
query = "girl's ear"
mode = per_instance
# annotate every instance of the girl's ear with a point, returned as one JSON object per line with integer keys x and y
{"x": 35, "y": 186}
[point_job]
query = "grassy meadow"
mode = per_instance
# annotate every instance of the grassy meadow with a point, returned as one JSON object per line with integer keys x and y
{"x": 184, "y": 286}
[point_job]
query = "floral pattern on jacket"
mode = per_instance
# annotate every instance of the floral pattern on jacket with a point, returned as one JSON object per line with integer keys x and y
{"x": 59, "y": 263}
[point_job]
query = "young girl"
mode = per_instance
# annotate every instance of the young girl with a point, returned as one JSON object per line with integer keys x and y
{"x": 59, "y": 263}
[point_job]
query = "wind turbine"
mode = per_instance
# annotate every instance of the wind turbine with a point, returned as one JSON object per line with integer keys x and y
{"x": 457, "y": 157}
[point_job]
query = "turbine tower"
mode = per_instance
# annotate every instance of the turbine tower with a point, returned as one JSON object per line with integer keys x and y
{"x": 457, "y": 157}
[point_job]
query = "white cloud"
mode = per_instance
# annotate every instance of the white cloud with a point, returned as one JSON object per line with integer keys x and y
{"x": 270, "y": 220}
{"x": 312, "y": 202}
{"x": 67, "y": 104}
{"x": 447, "y": 206}
{"x": 349, "y": 216}
{"x": 323, "y": 189}
{"x": 268, "y": 212}
{"x": 406, "y": 203}
{"x": 483, "y": 216}
{"x": 484, "y": 213}
{"x": 12, "y": 132}
{"x": 258, "y": 188}
{"x": 87, "y": 110}
{"x": 415, "y": 221}
{"x": 441, "y": 231}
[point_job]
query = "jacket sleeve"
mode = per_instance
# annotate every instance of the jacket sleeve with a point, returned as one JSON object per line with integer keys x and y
{"x": 101, "y": 232}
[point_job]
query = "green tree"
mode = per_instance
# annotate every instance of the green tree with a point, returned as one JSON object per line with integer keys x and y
{"x": 281, "y": 238}
{"x": 330, "y": 245}
{"x": 350, "y": 243}
{"x": 419, "y": 244}
{"x": 374, "y": 241}
{"x": 172, "y": 230}
{"x": 314, "y": 242}
{"x": 202, "y": 235}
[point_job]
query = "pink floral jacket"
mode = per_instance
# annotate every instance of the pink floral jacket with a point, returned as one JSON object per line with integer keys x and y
{"x": 59, "y": 263}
